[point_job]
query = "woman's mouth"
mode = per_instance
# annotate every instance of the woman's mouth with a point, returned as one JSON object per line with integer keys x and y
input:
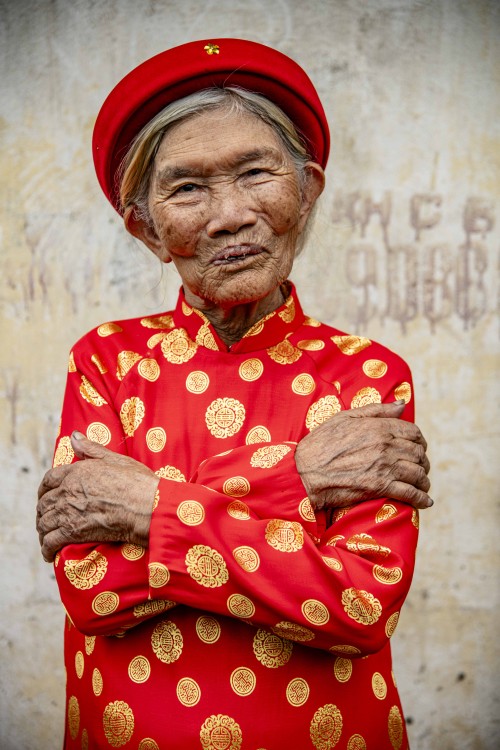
{"x": 235, "y": 254}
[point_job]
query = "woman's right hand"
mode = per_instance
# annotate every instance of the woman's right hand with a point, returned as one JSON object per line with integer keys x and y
{"x": 363, "y": 454}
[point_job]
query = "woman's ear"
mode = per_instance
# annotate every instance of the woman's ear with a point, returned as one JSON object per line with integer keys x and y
{"x": 311, "y": 190}
{"x": 145, "y": 232}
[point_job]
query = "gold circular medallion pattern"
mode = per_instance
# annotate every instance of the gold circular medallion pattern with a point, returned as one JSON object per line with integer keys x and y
{"x": 258, "y": 434}
{"x": 308, "y": 321}
{"x": 64, "y": 452}
{"x": 395, "y": 728}
{"x": 177, "y": 347}
{"x": 311, "y": 345}
{"x": 105, "y": 603}
{"x": 374, "y": 368}
{"x": 125, "y": 361}
{"x": 366, "y": 396}
{"x": 238, "y": 509}
{"x": 187, "y": 309}
{"x": 90, "y": 394}
{"x": 240, "y": 606}
{"x": 148, "y": 744}
{"x": 403, "y": 391}
{"x": 97, "y": 683}
{"x": 206, "y": 566}
{"x": 288, "y": 312}
{"x": 97, "y": 362}
{"x": 149, "y": 369}
{"x": 315, "y": 612}
{"x": 356, "y": 742}
{"x": 197, "y": 381}
{"x": 188, "y": 692}
{"x": 208, "y": 629}
{"x": 385, "y": 512}
{"x": 107, "y": 329}
{"x": 99, "y": 433}
{"x": 415, "y": 518}
{"x": 87, "y": 573}
{"x": 158, "y": 321}
{"x": 243, "y": 681}
{"x": 333, "y": 563}
{"x": 387, "y": 575}
{"x": 118, "y": 723}
{"x": 79, "y": 664}
{"x": 71, "y": 363}
{"x": 131, "y": 414}
{"x": 342, "y": 669}
{"x": 284, "y": 353}
{"x": 220, "y": 732}
{"x": 268, "y": 456}
{"x": 89, "y": 644}
{"x": 156, "y": 438}
{"x": 73, "y": 717}
{"x": 247, "y": 558}
{"x": 366, "y": 545}
{"x": 85, "y": 740}
{"x": 205, "y": 337}
{"x": 167, "y": 642}
{"x": 293, "y": 631}
{"x": 251, "y": 369}
{"x": 284, "y": 536}
{"x": 236, "y": 487}
{"x": 305, "y": 510}
{"x": 326, "y": 727}
{"x": 271, "y": 650}
{"x": 139, "y": 669}
{"x": 361, "y": 606}
{"x": 321, "y": 410}
{"x": 170, "y": 472}
{"x": 191, "y": 512}
{"x": 379, "y": 686}
{"x": 297, "y": 692}
{"x": 159, "y": 575}
{"x": 391, "y": 624}
{"x": 351, "y": 344}
{"x": 224, "y": 417}
{"x": 132, "y": 551}
{"x": 303, "y": 384}
{"x": 155, "y": 339}
{"x": 344, "y": 649}
{"x": 153, "y": 607}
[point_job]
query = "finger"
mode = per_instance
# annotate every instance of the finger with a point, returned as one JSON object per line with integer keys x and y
{"x": 408, "y": 431}
{"x": 391, "y": 410}
{"x": 53, "y": 478}
{"x": 85, "y": 448}
{"x": 410, "y": 473}
{"x": 410, "y": 495}
{"x": 52, "y": 543}
{"x": 410, "y": 451}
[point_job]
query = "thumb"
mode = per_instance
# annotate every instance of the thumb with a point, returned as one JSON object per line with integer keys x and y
{"x": 392, "y": 410}
{"x": 85, "y": 448}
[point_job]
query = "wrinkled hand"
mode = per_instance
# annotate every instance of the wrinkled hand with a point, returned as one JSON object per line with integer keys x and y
{"x": 362, "y": 454}
{"x": 105, "y": 498}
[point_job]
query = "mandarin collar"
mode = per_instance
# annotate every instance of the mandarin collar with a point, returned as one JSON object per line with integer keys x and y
{"x": 266, "y": 332}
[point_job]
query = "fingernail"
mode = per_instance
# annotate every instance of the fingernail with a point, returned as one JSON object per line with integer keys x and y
{"x": 77, "y": 435}
{"x": 430, "y": 503}
{"x": 400, "y": 401}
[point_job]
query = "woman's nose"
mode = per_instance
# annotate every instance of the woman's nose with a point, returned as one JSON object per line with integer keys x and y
{"x": 230, "y": 211}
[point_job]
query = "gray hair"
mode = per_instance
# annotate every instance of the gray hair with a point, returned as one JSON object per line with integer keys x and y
{"x": 136, "y": 170}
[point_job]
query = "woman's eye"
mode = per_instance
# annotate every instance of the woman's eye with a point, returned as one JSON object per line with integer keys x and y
{"x": 255, "y": 172}
{"x": 187, "y": 188}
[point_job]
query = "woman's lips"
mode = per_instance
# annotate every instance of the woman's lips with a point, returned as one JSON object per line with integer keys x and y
{"x": 235, "y": 254}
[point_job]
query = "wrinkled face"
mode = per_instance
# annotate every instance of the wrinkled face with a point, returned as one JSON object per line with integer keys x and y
{"x": 227, "y": 207}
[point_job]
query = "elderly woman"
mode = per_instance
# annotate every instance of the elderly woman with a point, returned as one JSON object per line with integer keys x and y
{"x": 234, "y": 551}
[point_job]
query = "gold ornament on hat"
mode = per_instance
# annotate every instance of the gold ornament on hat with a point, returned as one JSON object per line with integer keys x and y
{"x": 212, "y": 49}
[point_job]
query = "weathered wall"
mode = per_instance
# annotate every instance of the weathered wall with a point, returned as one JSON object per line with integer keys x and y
{"x": 406, "y": 250}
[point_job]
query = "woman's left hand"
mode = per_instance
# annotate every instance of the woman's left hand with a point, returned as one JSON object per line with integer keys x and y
{"x": 105, "y": 498}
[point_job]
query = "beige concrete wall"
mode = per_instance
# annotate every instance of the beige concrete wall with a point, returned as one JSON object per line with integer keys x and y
{"x": 405, "y": 249}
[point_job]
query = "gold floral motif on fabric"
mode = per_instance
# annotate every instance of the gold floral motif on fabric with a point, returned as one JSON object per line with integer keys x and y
{"x": 156, "y": 439}
{"x": 85, "y": 740}
{"x": 315, "y": 612}
{"x": 170, "y": 472}
{"x": 131, "y": 414}
{"x": 105, "y": 603}
{"x": 99, "y": 364}
{"x": 89, "y": 644}
{"x": 118, "y": 723}
{"x": 303, "y": 384}
{"x": 374, "y": 368}
{"x": 415, "y": 518}
{"x": 197, "y": 381}
{"x": 259, "y": 434}
{"x": 186, "y": 309}
{"x": 107, "y": 329}
{"x": 238, "y": 509}
{"x": 403, "y": 391}
{"x": 191, "y": 512}
{"x": 220, "y": 732}
{"x": 205, "y": 338}
{"x": 208, "y": 629}
{"x": 284, "y": 536}
{"x": 206, "y": 566}
{"x": 351, "y": 344}
{"x": 132, "y": 551}
{"x": 148, "y": 744}
{"x": 97, "y": 683}
{"x": 344, "y": 649}
{"x": 342, "y": 669}
{"x": 247, "y": 558}
{"x": 243, "y": 681}
{"x": 224, "y": 417}
{"x": 71, "y": 363}
{"x": 188, "y": 692}
{"x": 79, "y": 664}
{"x": 167, "y": 642}
{"x": 139, "y": 669}
{"x": 312, "y": 322}
{"x": 240, "y": 606}
{"x": 361, "y": 606}
{"x": 379, "y": 686}
{"x": 86, "y": 573}
{"x": 159, "y": 574}
{"x": 293, "y": 632}
{"x": 90, "y": 394}
{"x": 268, "y": 456}
{"x": 366, "y": 545}
{"x": 125, "y": 361}
{"x": 155, "y": 339}
{"x": 356, "y": 742}
{"x": 158, "y": 321}
{"x": 236, "y": 487}
{"x": 326, "y": 727}
{"x": 385, "y": 512}
{"x": 149, "y": 369}
{"x": 387, "y": 575}
{"x": 322, "y": 410}
{"x": 391, "y": 624}
{"x": 395, "y": 728}
{"x": 64, "y": 452}
{"x": 73, "y": 717}
{"x": 153, "y": 607}
{"x": 287, "y": 315}
{"x": 333, "y": 563}
{"x": 251, "y": 369}
{"x": 271, "y": 650}
{"x": 297, "y": 692}
{"x": 284, "y": 353}
{"x": 177, "y": 347}
{"x": 98, "y": 433}
{"x": 311, "y": 345}
{"x": 306, "y": 511}
{"x": 366, "y": 396}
